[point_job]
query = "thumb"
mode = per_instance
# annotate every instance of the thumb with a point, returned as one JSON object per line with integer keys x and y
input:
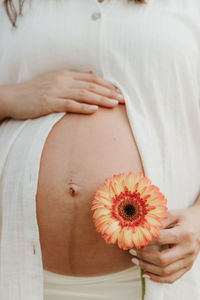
{"x": 172, "y": 219}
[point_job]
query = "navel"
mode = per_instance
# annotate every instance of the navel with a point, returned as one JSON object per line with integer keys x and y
{"x": 73, "y": 189}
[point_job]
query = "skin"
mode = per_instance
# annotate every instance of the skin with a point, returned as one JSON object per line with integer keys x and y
{"x": 58, "y": 91}
{"x": 79, "y": 154}
{"x": 181, "y": 231}
{"x": 84, "y": 92}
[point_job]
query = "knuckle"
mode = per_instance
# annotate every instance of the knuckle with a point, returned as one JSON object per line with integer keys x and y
{"x": 172, "y": 213}
{"x": 192, "y": 251}
{"x": 162, "y": 260}
{"x": 188, "y": 235}
{"x": 60, "y": 76}
{"x": 82, "y": 93}
{"x": 57, "y": 80}
{"x": 189, "y": 267}
{"x": 112, "y": 94}
{"x": 94, "y": 78}
{"x": 91, "y": 86}
{"x": 170, "y": 280}
{"x": 160, "y": 239}
{"x": 175, "y": 236}
{"x": 68, "y": 104}
{"x": 62, "y": 73}
{"x": 165, "y": 272}
{"x": 103, "y": 99}
{"x": 45, "y": 100}
{"x": 84, "y": 108}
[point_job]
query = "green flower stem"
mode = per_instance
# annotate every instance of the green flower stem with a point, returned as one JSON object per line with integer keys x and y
{"x": 143, "y": 283}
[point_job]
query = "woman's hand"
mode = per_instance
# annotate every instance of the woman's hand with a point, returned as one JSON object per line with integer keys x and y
{"x": 181, "y": 233}
{"x": 60, "y": 91}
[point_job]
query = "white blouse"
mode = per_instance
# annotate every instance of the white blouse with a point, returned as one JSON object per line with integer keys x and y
{"x": 152, "y": 53}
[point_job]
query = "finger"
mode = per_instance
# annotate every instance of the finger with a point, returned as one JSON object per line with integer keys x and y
{"x": 161, "y": 258}
{"x": 163, "y": 271}
{"x": 166, "y": 279}
{"x": 89, "y": 76}
{"x": 89, "y": 71}
{"x": 172, "y": 219}
{"x": 60, "y": 105}
{"x": 97, "y": 89}
{"x": 85, "y": 96}
{"x": 167, "y": 236}
{"x": 93, "y": 78}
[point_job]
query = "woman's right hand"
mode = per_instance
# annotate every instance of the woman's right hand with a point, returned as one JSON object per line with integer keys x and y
{"x": 58, "y": 91}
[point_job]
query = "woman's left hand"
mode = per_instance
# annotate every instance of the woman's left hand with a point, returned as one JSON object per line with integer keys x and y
{"x": 181, "y": 233}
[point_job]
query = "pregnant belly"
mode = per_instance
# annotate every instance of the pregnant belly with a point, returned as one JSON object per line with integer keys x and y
{"x": 81, "y": 151}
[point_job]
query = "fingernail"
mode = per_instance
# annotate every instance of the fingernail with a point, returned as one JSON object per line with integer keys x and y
{"x": 113, "y": 101}
{"x": 146, "y": 276}
{"x": 133, "y": 252}
{"x": 120, "y": 96}
{"x": 93, "y": 107}
{"x": 118, "y": 90}
{"x": 135, "y": 261}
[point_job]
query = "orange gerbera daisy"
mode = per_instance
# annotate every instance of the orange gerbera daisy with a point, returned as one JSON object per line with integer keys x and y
{"x": 128, "y": 210}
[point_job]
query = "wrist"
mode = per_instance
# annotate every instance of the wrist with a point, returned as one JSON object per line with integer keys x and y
{"x": 4, "y": 103}
{"x": 196, "y": 205}
{"x": 197, "y": 202}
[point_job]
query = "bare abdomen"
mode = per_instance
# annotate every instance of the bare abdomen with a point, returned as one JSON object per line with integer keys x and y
{"x": 80, "y": 153}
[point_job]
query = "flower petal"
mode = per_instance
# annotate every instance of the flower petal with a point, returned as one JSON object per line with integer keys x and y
{"x": 101, "y": 212}
{"x": 115, "y": 219}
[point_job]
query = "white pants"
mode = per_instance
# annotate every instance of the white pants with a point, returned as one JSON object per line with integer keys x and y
{"x": 117, "y": 286}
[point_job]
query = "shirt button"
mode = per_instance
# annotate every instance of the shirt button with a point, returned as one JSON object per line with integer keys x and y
{"x": 96, "y": 15}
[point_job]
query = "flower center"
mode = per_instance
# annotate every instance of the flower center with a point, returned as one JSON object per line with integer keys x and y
{"x": 129, "y": 210}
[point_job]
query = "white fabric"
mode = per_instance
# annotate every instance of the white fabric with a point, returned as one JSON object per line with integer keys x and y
{"x": 121, "y": 285}
{"x": 152, "y": 53}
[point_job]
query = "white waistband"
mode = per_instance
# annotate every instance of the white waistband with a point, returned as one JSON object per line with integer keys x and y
{"x": 132, "y": 273}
